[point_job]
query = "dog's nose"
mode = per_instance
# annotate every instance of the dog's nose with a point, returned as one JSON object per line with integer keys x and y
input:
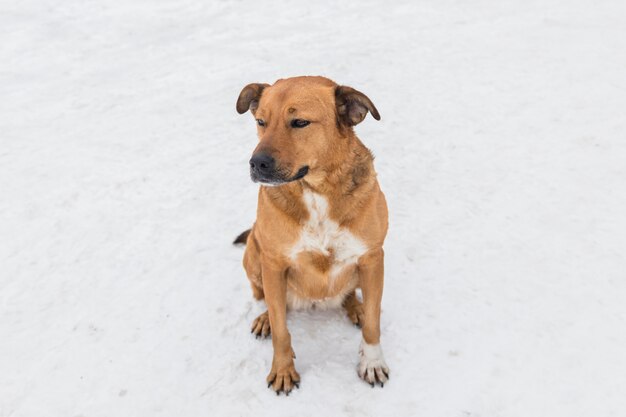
{"x": 262, "y": 163}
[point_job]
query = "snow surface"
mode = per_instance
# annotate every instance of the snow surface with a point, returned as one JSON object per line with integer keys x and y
{"x": 123, "y": 180}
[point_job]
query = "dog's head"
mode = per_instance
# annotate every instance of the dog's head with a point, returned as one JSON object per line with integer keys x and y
{"x": 300, "y": 122}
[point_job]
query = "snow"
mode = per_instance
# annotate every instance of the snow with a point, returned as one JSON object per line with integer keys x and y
{"x": 123, "y": 181}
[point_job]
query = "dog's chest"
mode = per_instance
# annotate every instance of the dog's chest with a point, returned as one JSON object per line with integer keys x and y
{"x": 322, "y": 236}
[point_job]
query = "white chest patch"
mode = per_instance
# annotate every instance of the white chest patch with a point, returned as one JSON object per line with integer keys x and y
{"x": 321, "y": 234}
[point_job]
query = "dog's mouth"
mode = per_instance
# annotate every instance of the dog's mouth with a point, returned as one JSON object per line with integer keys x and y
{"x": 276, "y": 178}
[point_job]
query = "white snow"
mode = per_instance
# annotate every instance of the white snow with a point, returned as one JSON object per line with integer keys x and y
{"x": 123, "y": 181}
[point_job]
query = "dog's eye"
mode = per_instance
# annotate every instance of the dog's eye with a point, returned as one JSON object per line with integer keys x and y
{"x": 260, "y": 122}
{"x": 299, "y": 123}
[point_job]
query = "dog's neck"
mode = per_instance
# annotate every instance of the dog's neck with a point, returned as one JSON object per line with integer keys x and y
{"x": 343, "y": 177}
{"x": 344, "y": 184}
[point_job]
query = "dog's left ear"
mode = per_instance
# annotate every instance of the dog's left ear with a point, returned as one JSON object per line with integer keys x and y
{"x": 352, "y": 106}
{"x": 249, "y": 97}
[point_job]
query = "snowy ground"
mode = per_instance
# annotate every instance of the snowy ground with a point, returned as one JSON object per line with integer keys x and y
{"x": 123, "y": 180}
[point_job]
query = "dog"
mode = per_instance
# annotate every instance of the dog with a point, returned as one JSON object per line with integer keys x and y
{"x": 321, "y": 216}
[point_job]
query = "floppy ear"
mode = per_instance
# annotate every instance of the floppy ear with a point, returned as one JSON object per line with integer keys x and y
{"x": 352, "y": 106}
{"x": 249, "y": 97}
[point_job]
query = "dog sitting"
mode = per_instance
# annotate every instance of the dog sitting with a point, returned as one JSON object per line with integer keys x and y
{"x": 321, "y": 216}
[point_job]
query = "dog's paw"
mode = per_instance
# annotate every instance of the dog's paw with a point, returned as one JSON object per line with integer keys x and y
{"x": 261, "y": 326}
{"x": 283, "y": 379}
{"x": 372, "y": 366}
{"x": 356, "y": 315}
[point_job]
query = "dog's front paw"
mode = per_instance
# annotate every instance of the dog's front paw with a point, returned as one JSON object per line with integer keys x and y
{"x": 372, "y": 366}
{"x": 283, "y": 379}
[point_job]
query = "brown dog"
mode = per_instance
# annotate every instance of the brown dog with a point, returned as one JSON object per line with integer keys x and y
{"x": 321, "y": 216}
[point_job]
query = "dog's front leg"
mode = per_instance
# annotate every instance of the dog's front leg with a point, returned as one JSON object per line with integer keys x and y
{"x": 283, "y": 376}
{"x": 372, "y": 367}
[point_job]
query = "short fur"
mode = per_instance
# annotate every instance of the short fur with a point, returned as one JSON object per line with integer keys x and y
{"x": 319, "y": 238}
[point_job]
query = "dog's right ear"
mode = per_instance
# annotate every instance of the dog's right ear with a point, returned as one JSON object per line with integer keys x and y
{"x": 249, "y": 97}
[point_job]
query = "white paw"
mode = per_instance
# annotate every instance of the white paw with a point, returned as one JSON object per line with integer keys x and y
{"x": 372, "y": 366}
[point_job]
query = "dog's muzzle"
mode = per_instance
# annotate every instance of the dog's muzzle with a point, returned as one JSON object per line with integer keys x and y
{"x": 262, "y": 166}
{"x": 263, "y": 169}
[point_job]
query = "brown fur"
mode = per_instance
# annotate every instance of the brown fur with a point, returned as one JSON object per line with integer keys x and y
{"x": 340, "y": 169}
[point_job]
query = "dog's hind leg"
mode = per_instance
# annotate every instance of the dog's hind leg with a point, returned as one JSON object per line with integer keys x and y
{"x": 354, "y": 309}
{"x": 261, "y": 326}
{"x": 252, "y": 265}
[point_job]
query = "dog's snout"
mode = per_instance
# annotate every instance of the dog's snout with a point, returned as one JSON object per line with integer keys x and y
{"x": 262, "y": 163}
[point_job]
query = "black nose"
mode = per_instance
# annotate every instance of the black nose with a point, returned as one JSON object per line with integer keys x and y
{"x": 262, "y": 163}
